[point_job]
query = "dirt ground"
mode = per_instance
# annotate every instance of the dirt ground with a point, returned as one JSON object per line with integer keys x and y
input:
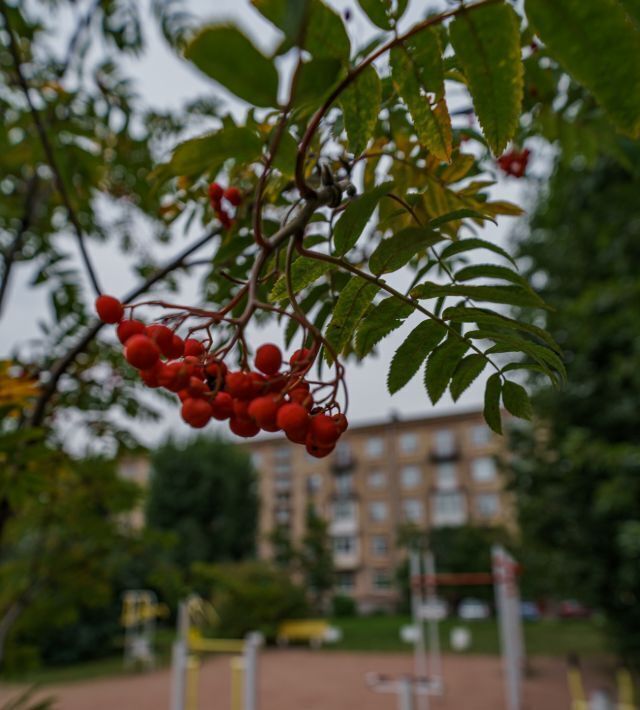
{"x": 317, "y": 680}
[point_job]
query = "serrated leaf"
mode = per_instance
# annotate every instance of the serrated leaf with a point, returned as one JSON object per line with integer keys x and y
{"x": 355, "y": 217}
{"x": 325, "y": 34}
{"x": 467, "y": 371}
{"x": 492, "y": 403}
{"x": 396, "y": 251}
{"x": 599, "y": 46}
{"x": 418, "y": 75}
{"x": 492, "y": 293}
{"x": 545, "y": 357}
{"x": 487, "y": 271}
{"x": 360, "y": 106}
{"x": 412, "y": 353}
{"x": 354, "y": 300}
{"x": 487, "y": 45}
{"x": 441, "y": 365}
{"x": 463, "y": 245}
{"x": 253, "y": 77}
{"x": 304, "y": 272}
{"x": 456, "y": 215}
{"x": 379, "y": 321}
{"x": 516, "y": 400}
{"x": 381, "y": 13}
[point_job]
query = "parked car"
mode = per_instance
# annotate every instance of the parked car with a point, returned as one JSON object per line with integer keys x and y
{"x": 471, "y": 609}
{"x": 529, "y": 611}
{"x": 573, "y": 609}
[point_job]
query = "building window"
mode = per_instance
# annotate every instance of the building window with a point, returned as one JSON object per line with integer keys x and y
{"x": 377, "y": 479}
{"x": 480, "y": 435}
{"x": 487, "y": 505}
{"x": 282, "y": 516}
{"x": 282, "y": 453}
{"x": 380, "y": 545}
{"x": 378, "y": 511}
{"x": 343, "y": 453}
{"x": 282, "y": 467}
{"x": 412, "y": 510}
{"x": 445, "y": 442}
{"x": 375, "y": 446}
{"x": 344, "y": 510}
{"x": 283, "y": 497}
{"x": 314, "y": 483}
{"x": 344, "y": 545}
{"x": 447, "y": 476}
{"x": 344, "y": 582}
{"x": 483, "y": 469}
{"x": 381, "y": 579}
{"x": 410, "y": 476}
{"x": 344, "y": 484}
{"x": 408, "y": 442}
{"x": 256, "y": 460}
{"x": 448, "y": 509}
{"x": 282, "y": 483}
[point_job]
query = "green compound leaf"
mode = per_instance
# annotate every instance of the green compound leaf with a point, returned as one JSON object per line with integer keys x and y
{"x": 492, "y": 403}
{"x": 381, "y": 13}
{"x": 464, "y": 245}
{"x": 456, "y": 215}
{"x": 598, "y": 43}
{"x": 441, "y": 365}
{"x": 467, "y": 371}
{"x": 380, "y": 320}
{"x": 303, "y": 273}
{"x": 413, "y": 352}
{"x": 487, "y": 271}
{"x": 516, "y": 400}
{"x": 355, "y": 298}
{"x": 418, "y": 75}
{"x": 396, "y": 251}
{"x": 487, "y": 45}
{"x": 223, "y": 53}
{"x": 355, "y": 217}
{"x": 492, "y": 293}
{"x": 360, "y": 106}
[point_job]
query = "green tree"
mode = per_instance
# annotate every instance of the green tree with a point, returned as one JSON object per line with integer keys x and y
{"x": 315, "y": 558}
{"x": 204, "y": 492}
{"x": 577, "y": 474}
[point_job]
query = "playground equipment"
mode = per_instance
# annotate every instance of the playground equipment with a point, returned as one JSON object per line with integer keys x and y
{"x": 599, "y": 700}
{"x": 425, "y": 607}
{"x": 314, "y": 631}
{"x": 190, "y": 644}
{"x": 140, "y": 609}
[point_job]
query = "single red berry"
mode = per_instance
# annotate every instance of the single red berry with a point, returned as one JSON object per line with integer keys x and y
{"x": 323, "y": 430}
{"x": 268, "y": 358}
{"x": 300, "y": 395}
{"x": 109, "y": 309}
{"x": 264, "y": 410}
{"x": 177, "y": 347}
{"x": 241, "y": 409}
{"x": 195, "y": 366}
{"x": 150, "y": 376}
{"x": 233, "y": 195}
{"x": 300, "y": 358}
{"x": 183, "y": 395}
{"x": 174, "y": 376}
{"x": 293, "y": 419}
{"x": 213, "y": 367}
{"x": 296, "y": 437}
{"x": 239, "y": 385}
{"x": 196, "y": 412}
{"x": 127, "y": 328}
{"x": 222, "y": 406}
{"x": 162, "y": 336}
{"x": 318, "y": 452}
{"x": 197, "y": 388}
{"x": 215, "y": 192}
{"x": 193, "y": 347}
{"x": 243, "y": 427}
{"x": 341, "y": 422}
{"x": 259, "y": 384}
{"x": 141, "y": 352}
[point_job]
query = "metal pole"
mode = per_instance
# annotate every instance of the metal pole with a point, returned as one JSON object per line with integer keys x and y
{"x": 435, "y": 660}
{"x": 417, "y": 601}
{"x": 405, "y": 694}
{"x": 179, "y": 659}
{"x": 252, "y": 643}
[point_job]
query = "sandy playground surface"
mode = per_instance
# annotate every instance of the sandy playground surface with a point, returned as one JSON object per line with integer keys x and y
{"x": 325, "y": 680}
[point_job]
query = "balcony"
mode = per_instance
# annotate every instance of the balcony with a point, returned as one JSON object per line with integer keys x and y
{"x": 444, "y": 455}
{"x": 346, "y": 560}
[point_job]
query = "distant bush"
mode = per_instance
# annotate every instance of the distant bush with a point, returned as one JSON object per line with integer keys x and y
{"x": 343, "y": 606}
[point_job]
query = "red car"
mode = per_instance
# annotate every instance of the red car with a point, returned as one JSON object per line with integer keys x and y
{"x": 572, "y": 609}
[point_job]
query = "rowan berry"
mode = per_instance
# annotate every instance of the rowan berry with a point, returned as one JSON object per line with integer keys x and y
{"x": 293, "y": 419}
{"x": 215, "y": 193}
{"x": 213, "y": 367}
{"x": 197, "y": 388}
{"x": 300, "y": 395}
{"x": 264, "y": 410}
{"x": 225, "y": 219}
{"x": 233, "y": 195}
{"x": 317, "y": 451}
{"x": 141, "y": 352}
{"x": 127, "y": 328}
{"x": 177, "y": 347}
{"x": 259, "y": 384}
{"x": 193, "y": 348}
{"x": 162, "y": 336}
{"x": 300, "y": 358}
{"x": 341, "y": 422}
{"x": 150, "y": 376}
{"x": 243, "y": 427}
{"x": 196, "y": 412}
{"x": 268, "y": 358}
{"x": 109, "y": 309}
{"x": 175, "y": 376}
{"x": 222, "y": 406}
{"x": 239, "y": 385}
{"x": 323, "y": 430}
{"x": 241, "y": 409}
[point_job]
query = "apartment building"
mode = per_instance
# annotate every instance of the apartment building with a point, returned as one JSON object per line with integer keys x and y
{"x": 430, "y": 472}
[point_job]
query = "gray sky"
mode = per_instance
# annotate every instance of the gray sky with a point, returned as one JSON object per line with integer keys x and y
{"x": 165, "y": 81}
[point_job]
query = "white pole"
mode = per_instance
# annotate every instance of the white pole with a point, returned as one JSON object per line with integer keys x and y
{"x": 405, "y": 694}
{"x": 179, "y": 659}
{"x": 417, "y": 601}
{"x": 435, "y": 660}
{"x": 252, "y": 643}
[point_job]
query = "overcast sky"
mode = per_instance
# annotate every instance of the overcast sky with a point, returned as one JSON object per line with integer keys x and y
{"x": 165, "y": 81}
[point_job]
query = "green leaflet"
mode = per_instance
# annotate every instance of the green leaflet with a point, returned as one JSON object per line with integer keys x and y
{"x": 396, "y": 251}
{"x": 287, "y": 15}
{"x": 253, "y": 77}
{"x": 458, "y": 215}
{"x": 379, "y": 321}
{"x": 316, "y": 79}
{"x": 379, "y": 11}
{"x": 360, "y": 106}
{"x": 492, "y": 293}
{"x": 463, "y": 245}
{"x": 441, "y": 365}
{"x": 485, "y": 271}
{"x": 325, "y": 34}
{"x": 468, "y": 369}
{"x": 492, "y": 403}
{"x": 354, "y": 300}
{"x": 417, "y": 72}
{"x": 303, "y": 273}
{"x": 598, "y": 43}
{"x": 487, "y": 45}
{"x": 516, "y": 400}
{"x": 355, "y": 217}
{"x": 412, "y": 353}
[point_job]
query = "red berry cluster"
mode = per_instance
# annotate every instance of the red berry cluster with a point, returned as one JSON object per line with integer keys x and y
{"x": 515, "y": 162}
{"x": 216, "y": 196}
{"x": 269, "y": 398}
